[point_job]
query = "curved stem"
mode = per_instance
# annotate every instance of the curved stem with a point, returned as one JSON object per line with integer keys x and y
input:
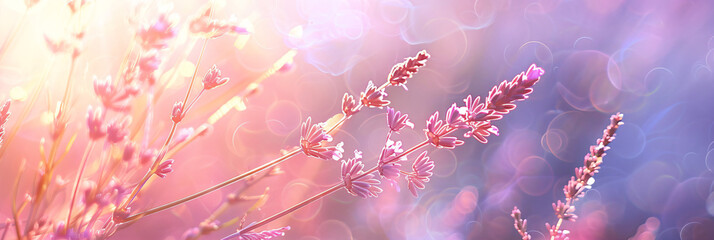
{"x": 213, "y": 188}
{"x": 77, "y": 179}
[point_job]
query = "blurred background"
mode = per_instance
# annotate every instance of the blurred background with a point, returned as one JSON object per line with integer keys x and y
{"x": 649, "y": 59}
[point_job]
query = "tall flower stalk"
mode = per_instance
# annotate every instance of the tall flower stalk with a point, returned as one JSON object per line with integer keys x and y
{"x": 474, "y": 116}
{"x": 313, "y": 134}
{"x": 576, "y": 187}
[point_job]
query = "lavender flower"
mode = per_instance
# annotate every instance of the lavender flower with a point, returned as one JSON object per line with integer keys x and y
{"x": 205, "y": 27}
{"x": 117, "y": 130}
{"x": 396, "y": 120}
{"x": 349, "y": 106}
{"x": 264, "y": 235}
{"x": 435, "y": 131}
{"x": 112, "y": 97}
{"x": 156, "y": 35}
{"x": 564, "y": 211}
{"x": 374, "y": 97}
{"x": 147, "y": 156}
{"x": 520, "y": 224}
{"x": 403, "y": 71}
{"x": 501, "y": 98}
{"x": 129, "y": 152}
{"x": 311, "y": 138}
{"x": 95, "y": 121}
{"x": 582, "y": 180}
{"x": 213, "y": 78}
{"x": 556, "y": 234}
{"x": 177, "y": 112}
{"x": 364, "y": 187}
{"x": 388, "y": 164}
{"x": 164, "y": 168}
{"x": 454, "y": 117}
{"x": 423, "y": 167}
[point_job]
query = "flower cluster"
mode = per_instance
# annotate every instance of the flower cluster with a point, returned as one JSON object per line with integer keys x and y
{"x": 575, "y": 188}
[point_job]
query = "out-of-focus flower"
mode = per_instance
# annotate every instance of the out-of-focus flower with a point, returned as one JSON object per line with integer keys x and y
{"x": 4, "y": 115}
{"x": 396, "y": 120}
{"x": 213, "y": 78}
{"x": 435, "y": 129}
{"x": 31, "y": 3}
{"x": 403, "y": 71}
{"x": 112, "y": 97}
{"x": 63, "y": 46}
{"x": 164, "y": 168}
{"x": 205, "y": 27}
{"x": 147, "y": 156}
{"x": 423, "y": 167}
{"x": 363, "y": 187}
{"x": 95, "y": 123}
{"x": 264, "y": 235}
{"x": 117, "y": 130}
{"x": 129, "y": 152}
{"x": 75, "y": 5}
{"x": 372, "y": 97}
{"x": 349, "y": 106}
{"x": 156, "y": 35}
{"x": 311, "y": 138}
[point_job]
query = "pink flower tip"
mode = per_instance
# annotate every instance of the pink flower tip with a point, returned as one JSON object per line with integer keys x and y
{"x": 534, "y": 72}
{"x": 213, "y": 78}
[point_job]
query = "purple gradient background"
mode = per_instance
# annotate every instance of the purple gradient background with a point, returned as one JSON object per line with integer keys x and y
{"x": 652, "y": 60}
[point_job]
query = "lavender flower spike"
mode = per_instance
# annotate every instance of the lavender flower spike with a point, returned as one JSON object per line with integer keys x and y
{"x": 365, "y": 187}
{"x": 520, "y": 224}
{"x": 264, "y": 235}
{"x": 311, "y": 142}
{"x": 396, "y": 120}
{"x": 213, "y": 78}
{"x": 403, "y": 71}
